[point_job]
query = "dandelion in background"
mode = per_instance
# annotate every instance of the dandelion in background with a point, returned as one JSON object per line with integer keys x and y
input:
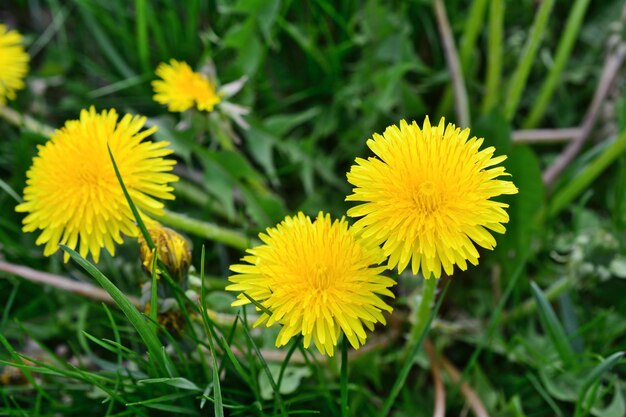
{"x": 318, "y": 279}
{"x": 181, "y": 88}
{"x": 72, "y": 193}
{"x": 427, "y": 196}
{"x": 13, "y": 64}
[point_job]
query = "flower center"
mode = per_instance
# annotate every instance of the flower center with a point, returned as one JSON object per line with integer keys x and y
{"x": 321, "y": 278}
{"x": 427, "y": 197}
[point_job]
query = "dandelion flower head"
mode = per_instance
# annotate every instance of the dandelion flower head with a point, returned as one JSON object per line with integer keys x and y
{"x": 318, "y": 279}
{"x": 13, "y": 63}
{"x": 180, "y": 88}
{"x": 72, "y": 193}
{"x": 426, "y": 196}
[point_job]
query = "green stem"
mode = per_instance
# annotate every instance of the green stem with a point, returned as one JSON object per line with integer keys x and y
{"x": 424, "y": 318}
{"x": 218, "y": 129}
{"x": 206, "y": 230}
{"x": 344, "y": 377}
{"x": 494, "y": 54}
{"x": 518, "y": 81}
{"x": 423, "y": 311}
{"x": 198, "y": 196}
{"x": 562, "y": 55}
{"x": 580, "y": 183}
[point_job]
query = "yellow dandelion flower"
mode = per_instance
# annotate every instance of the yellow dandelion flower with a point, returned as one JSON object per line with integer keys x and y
{"x": 427, "y": 196}
{"x": 72, "y": 193}
{"x": 13, "y": 63}
{"x": 181, "y": 88}
{"x": 317, "y": 278}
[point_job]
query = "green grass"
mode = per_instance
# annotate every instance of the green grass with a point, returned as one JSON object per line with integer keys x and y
{"x": 536, "y": 329}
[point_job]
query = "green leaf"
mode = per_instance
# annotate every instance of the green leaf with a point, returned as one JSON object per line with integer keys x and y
{"x": 261, "y": 146}
{"x": 218, "y": 403}
{"x": 564, "y": 386}
{"x": 266, "y": 368}
{"x": 291, "y": 380}
{"x": 496, "y": 131}
{"x": 182, "y": 141}
{"x": 525, "y": 172}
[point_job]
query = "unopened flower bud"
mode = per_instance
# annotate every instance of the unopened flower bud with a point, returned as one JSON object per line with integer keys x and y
{"x": 172, "y": 249}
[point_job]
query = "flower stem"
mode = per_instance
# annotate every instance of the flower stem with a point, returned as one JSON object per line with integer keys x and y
{"x": 344, "y": 377}
{"x": 423, "y": 311}
{"x": 206, "y": 230}
{"x": 425, "y": 315}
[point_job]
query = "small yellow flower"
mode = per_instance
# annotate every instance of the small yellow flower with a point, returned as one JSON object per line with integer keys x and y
{"x": 427, "y": 196}
{"x": 13, "y": 63}
{"x": 318, "y": 279}
{"x": 72, "y": 193}
{"x": 181, "y": 88}
{"x": 172, "y": 249}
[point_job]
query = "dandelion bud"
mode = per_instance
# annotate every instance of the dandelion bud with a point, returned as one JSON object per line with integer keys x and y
{"x": 172, "y": 249}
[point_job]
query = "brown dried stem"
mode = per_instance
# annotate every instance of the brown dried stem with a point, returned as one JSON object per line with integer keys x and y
{"x": 440, "y": 392}
{"x": 545, "y": 136}
{"x": 612, "y": 65}
{"x": 475, "y": 404}
{"x": 62, "y": 283}
{"x": 452, "y": 58}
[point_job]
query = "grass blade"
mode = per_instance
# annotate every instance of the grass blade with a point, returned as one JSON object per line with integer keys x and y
{"x": 494, "y": 54}
{"x": 581, "y": 181}
{"x": 552, "y": 326}
{"x": 266, "y": 369}
{"x": 106, "y": 45}
{"x": 154, "y": 296}
{"x": 563, "y": 51}
{"x": 217, "y": 396}
{"x": 520, "y": 76}
{"x": 141, "y": 27}
{"x": 135, "y": 318}
{"x": 132, "y": 206}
